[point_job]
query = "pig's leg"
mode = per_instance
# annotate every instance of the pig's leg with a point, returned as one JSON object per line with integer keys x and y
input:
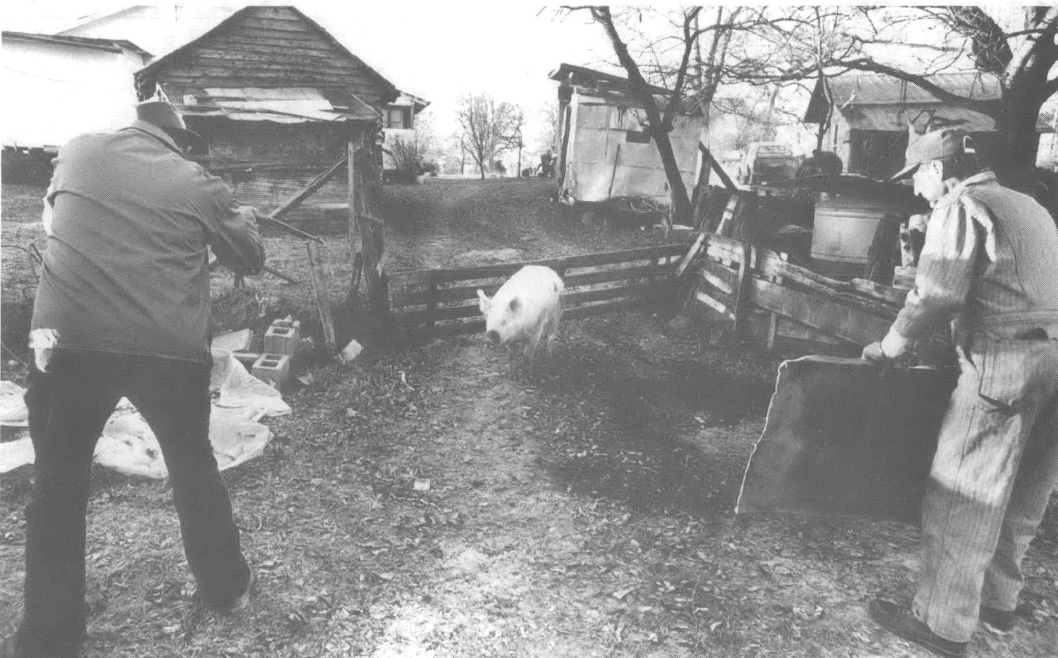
{"x": 552, "y": 329}
{"x": 531, "y": 345}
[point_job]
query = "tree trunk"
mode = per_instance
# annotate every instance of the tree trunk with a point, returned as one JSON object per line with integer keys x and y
{"x": 681, "y": 204}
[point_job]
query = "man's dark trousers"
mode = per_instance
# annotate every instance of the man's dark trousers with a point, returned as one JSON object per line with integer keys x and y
{"x": 68, "y": 407}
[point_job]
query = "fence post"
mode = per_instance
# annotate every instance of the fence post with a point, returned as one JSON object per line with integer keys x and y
{"x": 431, "y": 304}
{"x": 321, "y": 289}
{"x": 745, "y": 282}
{"x": 368, "y": 225}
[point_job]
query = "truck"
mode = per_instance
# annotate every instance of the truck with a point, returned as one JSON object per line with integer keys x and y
{"x": 767, "y": 162}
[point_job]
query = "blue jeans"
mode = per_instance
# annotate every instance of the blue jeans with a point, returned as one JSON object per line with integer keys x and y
{"x": 68, "y": 407}
{"x": 992, "y": 476}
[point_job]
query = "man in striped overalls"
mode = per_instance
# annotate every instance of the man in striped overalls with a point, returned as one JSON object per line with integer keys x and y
{"x": 990, "y": 267}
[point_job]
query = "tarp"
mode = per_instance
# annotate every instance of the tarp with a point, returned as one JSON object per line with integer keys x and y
{"x": 128, "y": 445}
{"x": 845, "y": 438}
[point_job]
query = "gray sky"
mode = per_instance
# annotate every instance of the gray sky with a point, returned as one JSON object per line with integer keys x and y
{"x": 436, "y": 50}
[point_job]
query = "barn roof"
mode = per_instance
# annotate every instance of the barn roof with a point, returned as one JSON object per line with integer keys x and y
{"x": 108, "y": 45}
{"x": 306, "y": 62}
{"x": 614, "y": 90}
{"x": 875, "y": 101}
{"x": 280, "y": 105}
{"x": 581, "y": 76}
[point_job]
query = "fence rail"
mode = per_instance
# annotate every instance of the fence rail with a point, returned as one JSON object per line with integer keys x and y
{"x": 444, "y": 301}
{"x": 757, "y": 294}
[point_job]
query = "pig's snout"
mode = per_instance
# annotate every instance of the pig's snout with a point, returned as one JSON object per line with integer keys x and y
{"x": 493, "y": 336}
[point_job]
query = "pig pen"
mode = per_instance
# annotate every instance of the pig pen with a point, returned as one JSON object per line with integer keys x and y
{"x": 428, "y": 502}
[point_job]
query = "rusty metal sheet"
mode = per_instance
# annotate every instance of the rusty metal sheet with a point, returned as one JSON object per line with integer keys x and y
{"x": 845, "y": 438}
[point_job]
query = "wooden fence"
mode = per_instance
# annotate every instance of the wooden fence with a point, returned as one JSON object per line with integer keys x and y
{"x": 444, "y": 301}
{"x": 758, "y": 295}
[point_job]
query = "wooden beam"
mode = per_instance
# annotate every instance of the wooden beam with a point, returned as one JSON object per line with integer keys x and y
{"x": 692, "y": 253}
{"x": 358, "y": 215}
{"x": 745, "y": 284}
{"x": 851, "y": 324}
{"x": 305, "y": 192}
{"x": 442, "y": 275}
{"x": 728, "y": 183}
{"x": 321, "y": 290}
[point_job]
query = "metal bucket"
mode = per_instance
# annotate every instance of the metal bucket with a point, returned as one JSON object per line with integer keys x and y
{"x": 843, "y": 230}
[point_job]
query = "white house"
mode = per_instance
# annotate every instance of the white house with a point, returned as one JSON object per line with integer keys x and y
{"x": 57, "y": 87}
{"x": 398, "y": 124}
{"x": 158, "y": 29}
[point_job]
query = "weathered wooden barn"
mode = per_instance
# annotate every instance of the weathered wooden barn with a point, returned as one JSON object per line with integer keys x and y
{"x": 276, "y": 96}
{"x": 57, "y": 87}
{"x": 871, "y": 111}
{"x": 605, "y": 151}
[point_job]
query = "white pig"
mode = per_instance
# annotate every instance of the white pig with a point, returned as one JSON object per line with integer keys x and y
{"x": 525, "y": 310}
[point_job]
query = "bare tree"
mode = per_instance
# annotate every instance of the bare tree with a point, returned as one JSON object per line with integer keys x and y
{"x": 1017, "y": 45}
{"x": 659, "y": 121}
{"x": 487, "y": 128}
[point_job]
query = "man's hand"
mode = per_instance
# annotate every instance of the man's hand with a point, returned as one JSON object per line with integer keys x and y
{"x": 874, "y": 352}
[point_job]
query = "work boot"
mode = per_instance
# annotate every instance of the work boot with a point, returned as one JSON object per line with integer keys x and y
{"x": 904, "y": 623}
{"x": 999, "y": 620}
{"x": 243, "y": 599}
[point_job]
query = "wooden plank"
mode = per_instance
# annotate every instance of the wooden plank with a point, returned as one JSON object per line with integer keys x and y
{"x": 727, "y": 279}
{"x": 448, "y": 295}
{"x": 692, "y": 253}
{"x": 444, "y": 275}
{"x": 717, "y": 168}
{"x": 297, "y": 63}
{"x": 571, "y": 300}
{"x": 300, "y": 66}
{"x": 745, "y": 284}
{"x": 606, "y": 276}
{"x": 305, "y": 192}
{"x": 717, "y": 282}
{"x": 249, "y": 45}
{"x": 851, "y": 324}
{"x": 266, "y": 35}
{"x": 879, "y": 291}
{"x": 279, "y": 25}
{"x": 321, "y": 290}
{"x": 601, "y": 309}
{"x": 714, "y": 304}
{"x": 406, "y": 318}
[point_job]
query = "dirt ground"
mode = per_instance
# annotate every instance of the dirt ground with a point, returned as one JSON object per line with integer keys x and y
{"x": 433, "y": 502}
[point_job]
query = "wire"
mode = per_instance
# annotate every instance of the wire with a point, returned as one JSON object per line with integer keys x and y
{"x": 12, "y": 354}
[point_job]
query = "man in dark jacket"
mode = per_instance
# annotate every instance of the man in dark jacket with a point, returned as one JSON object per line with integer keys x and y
{"x": 122, "y": 310}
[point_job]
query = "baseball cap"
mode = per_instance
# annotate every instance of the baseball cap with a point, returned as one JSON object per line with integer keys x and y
{"x": 935, "y": 145}
{"x": 164, "y": 115}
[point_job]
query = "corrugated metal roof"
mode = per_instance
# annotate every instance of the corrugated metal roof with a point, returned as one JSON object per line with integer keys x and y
{"x": 878, "y": 89}
{"x": 280, "y": 105}
{"x": 891, "y": 118}
{"x": 626, "y": 100}
{"x": 874, "y": 101}
{"x": 108, "y": 45}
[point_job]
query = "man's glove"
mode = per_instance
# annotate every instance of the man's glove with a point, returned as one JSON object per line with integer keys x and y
{"x": 874, "y": 352}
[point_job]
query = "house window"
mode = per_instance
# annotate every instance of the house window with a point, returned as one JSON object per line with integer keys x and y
{"x": 637, "y": 137}
{"x": 398, "y": 118}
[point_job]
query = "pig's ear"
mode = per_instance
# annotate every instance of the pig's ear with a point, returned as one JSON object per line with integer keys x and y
{"x": 515, "y": 304}
{"x": 484, "y": 303}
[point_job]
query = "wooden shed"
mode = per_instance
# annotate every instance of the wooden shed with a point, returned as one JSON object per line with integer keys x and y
{"x": 870, "y": 113}
{"x": 606, "y": 152}
{"x": 276, "y": 96}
